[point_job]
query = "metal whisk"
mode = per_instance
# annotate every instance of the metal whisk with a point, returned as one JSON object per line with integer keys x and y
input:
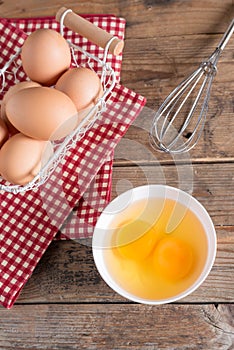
{"x": 178, "y": 124}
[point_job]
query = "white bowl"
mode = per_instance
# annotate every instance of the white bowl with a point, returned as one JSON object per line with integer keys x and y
{"x": 103, "y": 234}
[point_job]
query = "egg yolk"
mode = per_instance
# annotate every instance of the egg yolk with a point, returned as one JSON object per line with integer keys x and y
{"x": 136, "y": 240}
{"x": 173, "y": 258}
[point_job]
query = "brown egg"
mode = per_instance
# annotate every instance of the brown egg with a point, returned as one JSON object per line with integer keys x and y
{"x": 3, "y": 133}
{"x": 84, "y": 113}
{"x": 82, "y": 85}
{"x": 45, "y": 56}
{"x": 22, "y": 157}
{"x": 12, "y": 90}
{"x": 42, "y": 113}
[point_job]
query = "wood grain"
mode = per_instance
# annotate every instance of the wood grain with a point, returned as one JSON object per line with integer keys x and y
{"x": 67, "y": 270}
{"x": 165, "y": 42}
{"x": 66, "y": 305}
{"x": 215, "y": 144}
{"x": 67, "y": 274}
{"x": 146, "y": 18}
{"x": 117, "y": 327}
{"x": 204, "y": 181}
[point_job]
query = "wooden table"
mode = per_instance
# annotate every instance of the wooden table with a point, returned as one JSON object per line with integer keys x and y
{"x": 66, "y": 305}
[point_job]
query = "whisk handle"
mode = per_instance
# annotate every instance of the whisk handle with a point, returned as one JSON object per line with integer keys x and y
{"x": 90, "y": 31}
{"x": 227, "y": 35}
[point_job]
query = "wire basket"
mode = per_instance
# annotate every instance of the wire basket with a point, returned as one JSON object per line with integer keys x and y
{"x": 108, "y": 80}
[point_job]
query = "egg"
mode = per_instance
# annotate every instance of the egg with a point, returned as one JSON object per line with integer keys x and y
{"x": 45, "y": 56}
{"x": 42, "y": 113}
{"x": 82, "y": 85}
{"x": 82, "y": 114}
{"x": 12, "y": 90}
{"x": 3, "y": 133}
{"x": 22, "y": 157}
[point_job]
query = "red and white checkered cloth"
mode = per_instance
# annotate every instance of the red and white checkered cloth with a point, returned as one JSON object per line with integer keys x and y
{"x": 82, "y": 220}
{"x": 31, "y": 220}
{"x": 14, "y": 31}
{"x": 12, "y": 38}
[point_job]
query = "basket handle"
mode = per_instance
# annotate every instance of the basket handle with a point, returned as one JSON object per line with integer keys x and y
{"x": 90, "y": 31}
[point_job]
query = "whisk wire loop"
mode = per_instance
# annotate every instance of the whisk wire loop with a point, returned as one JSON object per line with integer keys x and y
{"x": 191, "y": 112}
{"x": 164, "y": 134}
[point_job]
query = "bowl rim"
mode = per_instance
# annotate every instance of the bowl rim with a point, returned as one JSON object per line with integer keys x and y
{"x": 198, "y": 209}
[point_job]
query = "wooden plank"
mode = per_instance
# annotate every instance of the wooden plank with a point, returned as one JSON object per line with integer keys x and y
{"x": 67, "y": 271}
{"x": 67, "y": 274}
{"x": 211, "y": 184}
{"x": 167, "y": 47}
{"x": 163, "y": 45}
{"x": 162, "y": 62}
{"x": 66, "y": 304}
{"x": 215, "y": 144}
{"x": 160, "y": 68}
{"x": 145, "y": 18}
{"x": 117, "y": 327}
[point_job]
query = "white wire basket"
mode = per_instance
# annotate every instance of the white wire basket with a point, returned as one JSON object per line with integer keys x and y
{"x": 108, "y": 80}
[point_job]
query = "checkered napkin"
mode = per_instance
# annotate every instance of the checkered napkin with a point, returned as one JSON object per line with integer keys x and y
{"x": 13, "y": 39}
{"x": 31, "y": 220}
{"x": 83, "y": 217}
{"x": 14, "y": 31}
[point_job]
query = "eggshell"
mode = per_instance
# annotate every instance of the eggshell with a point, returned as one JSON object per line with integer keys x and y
{"x": 42, "y": 113}
{"x": 82, "y": 85}
{"x": 21, "y": 158}
{"x": 45, "y": 56}
{"x": 83, "y": 114}
{"x": 12, "y": 90}
{"x": 3, "y": 133}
